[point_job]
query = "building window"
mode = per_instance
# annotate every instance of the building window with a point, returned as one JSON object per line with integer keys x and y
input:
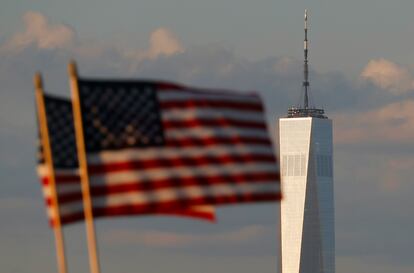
{"x": 324, "y": 165}
{"x": 294, "y": 165}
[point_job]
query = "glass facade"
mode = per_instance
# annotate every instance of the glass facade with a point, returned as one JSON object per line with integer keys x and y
{"x": 307, "y": 207}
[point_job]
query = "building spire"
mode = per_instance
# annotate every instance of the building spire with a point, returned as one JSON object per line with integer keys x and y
{"x": 305, "y": 110}
{"x": 305, "y": 64}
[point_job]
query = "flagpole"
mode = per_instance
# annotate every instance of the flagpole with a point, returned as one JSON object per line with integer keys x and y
{"x": 44, "y": 136}
{"x": 83, "y": 167}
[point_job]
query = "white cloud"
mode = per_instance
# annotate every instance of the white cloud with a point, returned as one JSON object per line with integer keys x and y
{"x": 392, "y": 123}
{"x": 40, "y": 32}
{"x": 388, "y": 75}
{"x": 163, "y": 42}
{"x": 171, "y": 239}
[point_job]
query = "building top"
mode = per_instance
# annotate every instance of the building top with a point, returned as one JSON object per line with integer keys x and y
{"x": 304, "y": 110}
{"x": 295, "y": 112}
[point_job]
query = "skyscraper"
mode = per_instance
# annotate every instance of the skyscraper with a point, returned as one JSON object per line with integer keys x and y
{"x": 307, "y": 208}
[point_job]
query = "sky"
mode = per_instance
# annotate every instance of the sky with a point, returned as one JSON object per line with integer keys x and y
{"x": 361, "y": 73}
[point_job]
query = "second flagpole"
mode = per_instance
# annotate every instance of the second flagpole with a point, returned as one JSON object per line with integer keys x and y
{"x": 83, "y": 168}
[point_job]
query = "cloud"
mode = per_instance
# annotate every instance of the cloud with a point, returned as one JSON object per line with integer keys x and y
{"x": 388, "y": 75}
{"x": 171, "y": 239}
{"x": 393, "y": 122}
{"x": 163, "y": 42}
{"x": 40, "y": 32}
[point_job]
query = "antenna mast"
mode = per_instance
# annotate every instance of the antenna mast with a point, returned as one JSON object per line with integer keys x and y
{"x": 304, "y": 110}
{"x": 305, "y": 65}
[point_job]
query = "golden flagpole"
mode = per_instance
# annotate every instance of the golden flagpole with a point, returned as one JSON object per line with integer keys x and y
{"x": 44, "y": 137}
{"x": 83, "y": 168}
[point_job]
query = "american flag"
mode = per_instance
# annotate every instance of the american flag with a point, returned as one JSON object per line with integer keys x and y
{"x": 152, "y": 146}
{"x": 66, "y": 168}
{"x": 65, "y": 161}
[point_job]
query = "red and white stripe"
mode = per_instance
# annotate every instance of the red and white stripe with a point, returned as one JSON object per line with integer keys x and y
{"x": 217, "y": 151}
{"x": 69, "y": 195}
{"x": 67, "y": 183}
